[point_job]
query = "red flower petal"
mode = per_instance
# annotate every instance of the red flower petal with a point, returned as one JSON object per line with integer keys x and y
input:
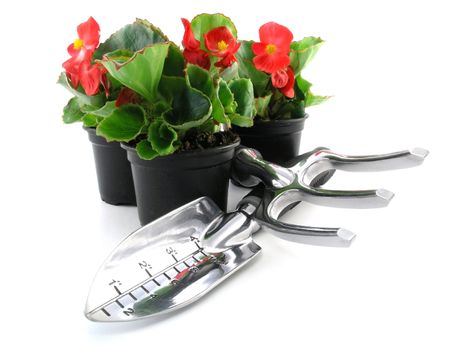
{"x": 198, "y": 57}
{"x": 220, "y": 41}
{"x": 259, "y": 48}
{"x": 71, "y": 67}
{"x": 271, "y": 63}
{"x": 90, "y": 77}
{"x": 280, "y": 78}
{"x": 189, "y": 41}
{"x": 127, "y": 96}
{"x": 88, "y": 32}
{"x": 288, "y": 89}
{"x": 273, "y": 33}
{"x": 226, "y": 61}
{"x": 105, "y": 82}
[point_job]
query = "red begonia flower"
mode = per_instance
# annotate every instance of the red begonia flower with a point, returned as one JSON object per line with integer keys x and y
{"x": 226, "y": 61}
{"x": 90, "y": 77}
{"x": 189, "y": 41}
{"x": 88, "y": 40}
{"x": 78, "y": 68}
{"x": 272, "y": 52}
{"x": 221, "y": 43}
{"x": 192, "y": 52}
{"x": 279, "y": 78}
{"x": 127, "y": 96}
{"x": 71, "y": 67}
{"x": 284, "y": 80}
{"x": 198, "y": 57}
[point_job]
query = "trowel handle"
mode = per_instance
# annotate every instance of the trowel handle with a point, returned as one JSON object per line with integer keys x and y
{"x": 249, "y": 169}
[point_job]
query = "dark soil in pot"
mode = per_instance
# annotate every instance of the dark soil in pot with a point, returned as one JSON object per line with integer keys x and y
{"x": 201, "y": 168}
{"x": 113, "y": 171}
{"x": 277, "y": 140}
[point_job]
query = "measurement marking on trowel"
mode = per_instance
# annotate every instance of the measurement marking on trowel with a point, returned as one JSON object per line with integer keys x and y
{"x": 132, "y": 296}
{"x": 173, "y": 256}
{"x": 141, "y": 284}
{"x": 149, "y": 273}
{"x": 105, "y": 312}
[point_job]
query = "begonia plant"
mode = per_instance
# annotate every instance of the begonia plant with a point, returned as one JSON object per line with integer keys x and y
{"x": 141, "y": 88}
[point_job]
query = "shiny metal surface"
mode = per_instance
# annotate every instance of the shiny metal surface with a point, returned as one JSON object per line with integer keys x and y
{"x": 284, "y": 186}
{"x": 178, "y": 258}
{"x": 162, "y": 266}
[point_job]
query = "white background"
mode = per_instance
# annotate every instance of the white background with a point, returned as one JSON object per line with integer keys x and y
{"x": 397, "y": 71}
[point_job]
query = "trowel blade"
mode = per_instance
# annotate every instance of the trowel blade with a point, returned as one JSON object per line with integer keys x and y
{"x": 161, "y": 266}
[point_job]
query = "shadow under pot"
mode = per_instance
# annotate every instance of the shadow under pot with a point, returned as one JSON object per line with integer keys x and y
{"x": 277, "y": 140}
{"x": 168, "y": 182}
{"x": 113, "y": 171}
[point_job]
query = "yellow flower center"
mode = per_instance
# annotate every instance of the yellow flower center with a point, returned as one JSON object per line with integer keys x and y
{"x": 222, "y": 45}
{"x": 78, "y": 44}
{"x": 270, "y": 49}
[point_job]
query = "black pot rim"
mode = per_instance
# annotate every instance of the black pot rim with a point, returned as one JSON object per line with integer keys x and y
{"x": 275, "y": 127}
{"x": 282, "y": 121}
{"x": 190, "y": 153}
{"x": 98, "y": 140}
{"x": 193, "y": 159}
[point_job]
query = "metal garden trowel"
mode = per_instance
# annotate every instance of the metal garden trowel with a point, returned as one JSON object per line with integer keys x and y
{"x": 181, "y": 256}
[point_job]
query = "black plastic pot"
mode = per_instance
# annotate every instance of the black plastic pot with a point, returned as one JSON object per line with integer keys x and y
{"x": 166, "y": 183}
{"x": 113, "y": 171}
{"x": 277, "y": 140}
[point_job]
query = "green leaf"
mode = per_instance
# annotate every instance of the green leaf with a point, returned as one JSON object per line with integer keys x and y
{"x": 124, "y": 124}
{"x": 88, "y": 108}
{"x": 145, "y": 150}
{"x": 72, "y": 113}
{"x": 218, "y": 112}
{"x": 174, "y": 64}
{"x": 203, "y": 23}
{"x": 119, "y": 56}
{"x": 93, "y": 118}
{"x": 142, "y": 72}
{"x": 262, "y": 104}
{"x": 132, "y": 37}
{"x": 230, "y": 73}
{"x": 246, "y": 69}
{"x": 200, "y": 79}
{"x": 313, "y": 100}
{"x": 290, "y": 109}
{"x": 82, "y": 99}
{"x": 301, "y": 52}
{"x": 303, "y": 92}
{"x": 303, "y": 84}
{"x": 241, "y": 120}
{"x": 190, "y": 107}
{"x": 226, "y": 97}
{"x": 242, "y": 90}
{"x": 162, "y": 137}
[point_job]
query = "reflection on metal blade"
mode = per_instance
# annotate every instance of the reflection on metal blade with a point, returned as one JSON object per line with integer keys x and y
{"x": 161, "y": 266}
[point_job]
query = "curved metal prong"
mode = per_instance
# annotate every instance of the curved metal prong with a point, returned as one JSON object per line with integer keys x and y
{"x": 363, "y": 199}
{"x": 382, "y": 162}
{"x": 323, "y": 236}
